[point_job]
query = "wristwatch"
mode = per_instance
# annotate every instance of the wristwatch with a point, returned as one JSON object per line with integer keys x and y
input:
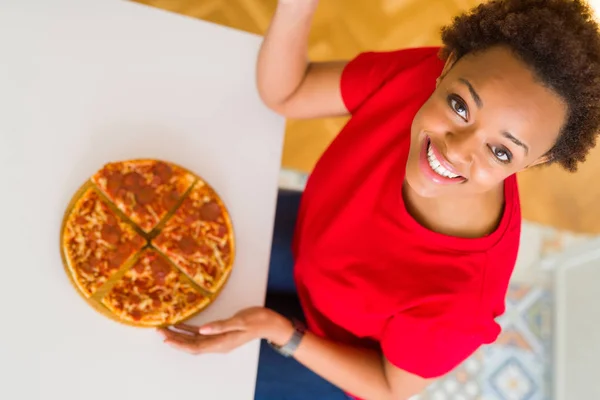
{"x": 288, "y": 349}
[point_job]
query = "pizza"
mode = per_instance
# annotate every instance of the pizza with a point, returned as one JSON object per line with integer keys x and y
{"x": 144, "y": 190}
{"x": 147, "y": 243}
{"x": 198, "y": 238}
{"x": 153, "y": 292}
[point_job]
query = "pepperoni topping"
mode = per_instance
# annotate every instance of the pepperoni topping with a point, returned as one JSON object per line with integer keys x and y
{"x": 155, "y": 295}
{"x": 116, "y": 258}
{"x": 133, "y": 180}
{"x": 168, "y": 298}
{"x": 191, "y": 297}
{"x": 111, "y": 220}
{"x": 188, "y": 245}
{"x": 155, "y": 299}
{"x": 138, "y": 241}
{"x": 92, "y": 245}
{"x": 205, "y": 249}
{"x": 189, "y": 219}
{"x": 90, "y": 236}
{"x": 211, "y": 270}
{"x": 210, "y": 211}
{"x": 136, "y": 315}
{"x": 145, "y": 195}
{"x": 160, "y": 269}
{"x": 87, "y": 266}
{"x": 125, "y": 249}
{"x": 170, "y": 200}
{"x": 155, "y": 181}
{"x": 139, "y": 268}
{"x": 140, "y": 285}
{"x": 163, "y": 171}
{"x": 114, "y": 182}
{"x": 111, "y": 234}
{"x": 135, "y": 299}
{"x": 138, "y": 209}
{"x": 81, "y": 220}
{"x": 221, "y": 231}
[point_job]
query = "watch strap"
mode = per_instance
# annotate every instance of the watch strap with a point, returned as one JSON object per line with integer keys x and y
{"x": 288, "y": 349}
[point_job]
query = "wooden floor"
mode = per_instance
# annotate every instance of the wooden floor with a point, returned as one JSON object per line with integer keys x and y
{"x": 343, "y": 28}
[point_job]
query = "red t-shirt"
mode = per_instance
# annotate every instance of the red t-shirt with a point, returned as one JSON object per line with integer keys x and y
{"x": 367, "y": 273}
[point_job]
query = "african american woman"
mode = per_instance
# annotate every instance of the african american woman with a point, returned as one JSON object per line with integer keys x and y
{"x": 408, "y": 230}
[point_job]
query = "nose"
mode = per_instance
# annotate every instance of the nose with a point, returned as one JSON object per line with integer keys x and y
{"x": 461, "y": 146}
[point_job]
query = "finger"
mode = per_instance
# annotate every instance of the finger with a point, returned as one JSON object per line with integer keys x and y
{"x": 218, "y": 327}
{"x": 161, "y": 332}
{"x": 178, "y": 337}
{"x": 222, "y": 343}
{"x": 181, "y": 346}
{"x": 187, "y": 328}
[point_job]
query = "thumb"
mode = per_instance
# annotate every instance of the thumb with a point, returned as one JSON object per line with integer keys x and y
{"x": 218, "y": 327}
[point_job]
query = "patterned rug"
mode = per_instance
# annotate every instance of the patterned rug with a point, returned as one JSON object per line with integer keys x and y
{"x": 518, "y": 366}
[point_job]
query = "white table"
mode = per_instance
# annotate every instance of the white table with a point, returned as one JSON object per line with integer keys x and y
{"x": 83, "y": 83}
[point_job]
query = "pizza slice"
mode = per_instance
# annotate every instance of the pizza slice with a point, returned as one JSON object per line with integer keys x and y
{"x": 144, "y": 190}
{"x": 153, "y": 293}
{"x": 96, "y": 243}
{"x": 198, "y": 238}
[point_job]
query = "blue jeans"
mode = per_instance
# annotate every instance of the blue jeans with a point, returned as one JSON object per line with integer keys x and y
{"x": 281, "y": 378}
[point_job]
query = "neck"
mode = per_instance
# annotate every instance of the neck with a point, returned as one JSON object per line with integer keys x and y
{"x": 469, "y": 217}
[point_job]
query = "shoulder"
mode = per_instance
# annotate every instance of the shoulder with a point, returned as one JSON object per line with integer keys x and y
{"x": 370, "y": 72}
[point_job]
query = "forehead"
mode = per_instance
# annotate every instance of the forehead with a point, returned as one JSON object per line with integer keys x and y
{"x": 512, "y": 96}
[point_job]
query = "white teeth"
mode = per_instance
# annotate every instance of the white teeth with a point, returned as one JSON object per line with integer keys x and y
{"x": 437, "y": 166}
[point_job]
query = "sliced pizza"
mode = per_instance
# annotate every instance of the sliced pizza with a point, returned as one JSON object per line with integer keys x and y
{"x": 95, "y": 242}
{"x": 198, "y": 238}
{"x": 144, "y": 190}
{"x": 153, "y": 293}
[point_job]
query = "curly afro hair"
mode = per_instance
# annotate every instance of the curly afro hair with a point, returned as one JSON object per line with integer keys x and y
{"x": 560, "y": 41}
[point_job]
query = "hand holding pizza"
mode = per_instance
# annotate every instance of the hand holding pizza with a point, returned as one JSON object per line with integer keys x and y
{"x": 227, "y": 335}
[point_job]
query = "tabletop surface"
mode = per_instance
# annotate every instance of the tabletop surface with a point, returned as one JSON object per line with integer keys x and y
{"x": 84, "y": 83}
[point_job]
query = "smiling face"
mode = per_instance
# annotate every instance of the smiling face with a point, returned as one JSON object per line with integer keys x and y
{"x": 487, "y": 119}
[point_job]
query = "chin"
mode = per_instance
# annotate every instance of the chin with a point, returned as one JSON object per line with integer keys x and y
{"x": 421, "y": 187}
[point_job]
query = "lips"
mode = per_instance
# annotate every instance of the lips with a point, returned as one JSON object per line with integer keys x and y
{"x": 435, "y": 166}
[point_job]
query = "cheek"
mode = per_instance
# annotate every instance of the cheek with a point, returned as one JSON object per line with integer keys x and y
{"x": 432, "y": 118}
{"x": 488, "y": 176}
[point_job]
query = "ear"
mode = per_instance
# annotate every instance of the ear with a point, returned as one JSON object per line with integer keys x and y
{"x": 447, "y": 67}
{"x": 542, "y": 160}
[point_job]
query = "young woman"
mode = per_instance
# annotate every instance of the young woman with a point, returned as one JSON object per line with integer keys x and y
{"x": 408, "y": 230}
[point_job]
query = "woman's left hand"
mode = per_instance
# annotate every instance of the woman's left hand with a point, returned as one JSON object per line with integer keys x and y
{"x": 229, "y": 334}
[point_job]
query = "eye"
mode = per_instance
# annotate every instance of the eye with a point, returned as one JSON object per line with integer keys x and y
{"x": 501, "y": 153}
{"x": 459, "y": 106}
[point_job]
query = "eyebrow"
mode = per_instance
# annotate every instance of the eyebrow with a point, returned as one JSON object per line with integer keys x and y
{"x": 516, "y": 141}
{"x": 473, "y": 92}
{"x": 479, "y": 104}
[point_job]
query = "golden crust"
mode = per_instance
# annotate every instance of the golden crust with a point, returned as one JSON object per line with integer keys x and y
{"x": 96, "y": 300}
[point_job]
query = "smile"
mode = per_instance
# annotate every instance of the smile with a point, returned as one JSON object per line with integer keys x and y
{"x": 436, "y": 165}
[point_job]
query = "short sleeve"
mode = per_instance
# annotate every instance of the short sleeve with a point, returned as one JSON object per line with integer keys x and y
{"x": 368, "y": 72}
{"x": 427, "y": 346}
